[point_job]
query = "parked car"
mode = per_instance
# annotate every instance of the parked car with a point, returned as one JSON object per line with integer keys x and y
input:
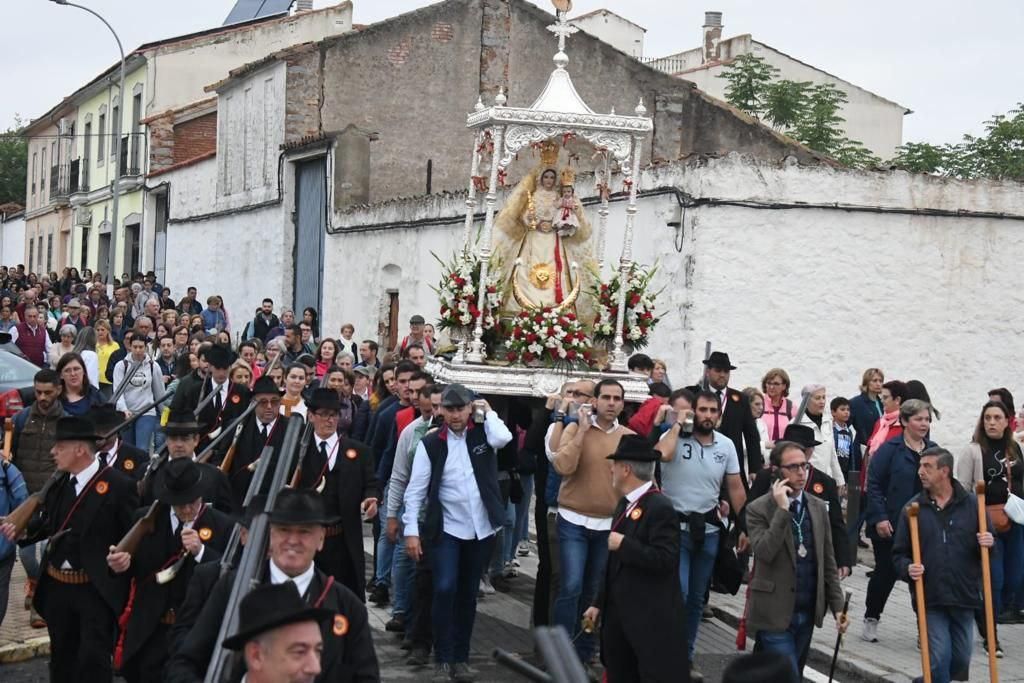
{"x": 16, "y": 373}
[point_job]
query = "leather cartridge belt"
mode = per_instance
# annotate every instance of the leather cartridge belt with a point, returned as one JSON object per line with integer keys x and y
{"x": 332, "y": 530}
{"x": 168, "y": 617}
{"x": 75, "y": 577}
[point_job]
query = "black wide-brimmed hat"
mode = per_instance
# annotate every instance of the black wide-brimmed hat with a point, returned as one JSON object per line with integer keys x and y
{"x": 271, "y": 606}
{"x": 105, "y": 416}
{"x": 323, "y": 399}
{"x": 265, "y": 385}
{"x": 178, "y": 482}
{"x": 801, "y": 434}
{"x": 182, "y": 423}
{"x": 634, "y": 448}
{"x": 295, "y": 507}
{"x": 73, "y": 428}
{"x": 719, "y": 359}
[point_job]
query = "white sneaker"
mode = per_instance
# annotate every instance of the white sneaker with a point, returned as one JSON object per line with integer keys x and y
{"x": 485, "y": 585}
{"x": 510, "y": 571}
{"x": 870, "y": 632}
{"x": 524, "y": 549}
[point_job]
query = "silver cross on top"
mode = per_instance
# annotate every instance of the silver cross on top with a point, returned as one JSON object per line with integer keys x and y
{"x": 562, "y": 29}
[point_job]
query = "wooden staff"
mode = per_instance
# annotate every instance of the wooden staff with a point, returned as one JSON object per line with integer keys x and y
{"x": 986, "y": 577}
{"x": 8, "y": 436}
{"x": 922, "y": 617}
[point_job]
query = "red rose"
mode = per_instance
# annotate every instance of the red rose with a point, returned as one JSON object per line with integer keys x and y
{"x": 634, "y": 300}
{"x": 570, "y": 355}
{"x": 527, "y": 357}
{"x": 571, "y": 316}
{"x": 530, "y": 338}
{"x": 511, "y": 356}
{"x": 538, "y": 318}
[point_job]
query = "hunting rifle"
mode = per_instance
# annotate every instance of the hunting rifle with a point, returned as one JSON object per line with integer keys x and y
{"x": 253, "y": 557}
{"x": 136, "y": 364}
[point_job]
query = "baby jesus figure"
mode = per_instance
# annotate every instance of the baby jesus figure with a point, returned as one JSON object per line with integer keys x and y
{"x": 566, "y": 221}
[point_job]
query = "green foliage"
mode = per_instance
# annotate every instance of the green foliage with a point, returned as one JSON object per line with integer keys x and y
{"x": 807, "y": 113}
{"x": 785, "y": 102}
{"x": 998, "y": 154}
{"x": 13, "y": 164}
{"x": 749, "y": 77}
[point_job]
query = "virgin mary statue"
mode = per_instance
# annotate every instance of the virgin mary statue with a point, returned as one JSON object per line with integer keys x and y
{"x": 545, "y": 239}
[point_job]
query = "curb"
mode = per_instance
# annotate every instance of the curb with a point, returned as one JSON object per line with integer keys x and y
{"x": 821, "y": 656}
{"x": 25, "y": 650}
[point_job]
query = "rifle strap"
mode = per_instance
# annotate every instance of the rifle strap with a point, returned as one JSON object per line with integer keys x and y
{"x": 323, "y": 596}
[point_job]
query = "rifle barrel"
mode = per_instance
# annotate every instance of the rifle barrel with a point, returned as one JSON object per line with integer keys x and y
{"x": 124, "y": 381}
{"x": 232, "y": 428}
{"x": 136, "y": 415}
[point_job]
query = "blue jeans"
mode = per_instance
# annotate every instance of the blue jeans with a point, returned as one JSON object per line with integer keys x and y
{"x": 950, "y": 639}
{"x": 141, "y": 431}
{"x": 695, "y": 569}
{"x": 504, "y": 545}
{"x": 402, "y": 573}
{"x": 582, "y": 555}
{"x": 794, "y": 642}
{"x": 1008, "y": 569}
{"x": 457, "y": 566}
{"x": 385, "y": 549}
{"x": 523, "y": 509}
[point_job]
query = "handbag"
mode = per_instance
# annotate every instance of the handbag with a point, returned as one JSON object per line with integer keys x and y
{"x": 997, "y": 515}
{"x": 1014, "y": 508}
{"x": 729, "y": 570}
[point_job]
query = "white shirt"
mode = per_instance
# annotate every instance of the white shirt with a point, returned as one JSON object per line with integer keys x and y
{"x": 187, "y": 525}
{"x": 302, "y": 581}
{"x": 633, "y": 496}
{"x": 332, "y": 449}
{"x": 463, "y": 512}
{"x": 269, "y": 426}
{"x": 83, "y": 477}
{"x": 111, "y": 452}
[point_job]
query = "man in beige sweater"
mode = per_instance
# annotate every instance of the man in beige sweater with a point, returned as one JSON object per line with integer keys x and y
{"x": 586, "y": 502}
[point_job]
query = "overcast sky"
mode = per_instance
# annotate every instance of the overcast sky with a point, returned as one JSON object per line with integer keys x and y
{"x": 953, "y": 63}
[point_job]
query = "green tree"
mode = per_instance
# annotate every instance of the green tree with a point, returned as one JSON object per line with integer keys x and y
{"x": 13, "y": 164}
{"x": 820, "y": 127}
{"x": 749, "y": 77}
{"x": 921, "y": 157}
{"x": 785, "y": 102}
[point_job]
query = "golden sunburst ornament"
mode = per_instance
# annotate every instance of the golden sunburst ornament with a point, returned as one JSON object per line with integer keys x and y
{"x": 542, "y": 276}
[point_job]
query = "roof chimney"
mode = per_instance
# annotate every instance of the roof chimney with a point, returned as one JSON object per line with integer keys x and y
{"x": 304, "y": 6}
{"x": 712, "y": 35}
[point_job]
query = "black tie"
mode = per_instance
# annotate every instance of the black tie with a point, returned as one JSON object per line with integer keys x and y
{"x": 177, "y": 527}
{"x": 73, "y": 481}
{"x": 323, "y": 450}
{"x": 718, "y": 393}
{"x": 263, "y": 433}
{"x": 217, "y": 405}
{"x": 103, "y": 459}
{"x": 794, "y": 507}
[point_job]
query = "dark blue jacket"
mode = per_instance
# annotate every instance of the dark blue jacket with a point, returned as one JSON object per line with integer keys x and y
{"x": 949, "y": 550}
{"x": 13, "y": 493}
{"x": 892, "y": 481}
{"x": 863, "y": 416}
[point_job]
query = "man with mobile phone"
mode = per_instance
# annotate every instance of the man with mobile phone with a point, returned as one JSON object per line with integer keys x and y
{"x": 795, "y": 576}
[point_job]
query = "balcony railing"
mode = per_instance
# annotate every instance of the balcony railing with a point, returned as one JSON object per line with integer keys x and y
{"x": 133, "y": 150}
{"x": 78, "y": 176}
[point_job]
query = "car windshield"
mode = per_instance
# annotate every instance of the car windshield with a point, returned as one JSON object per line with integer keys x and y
{"x": 15, "y": 370}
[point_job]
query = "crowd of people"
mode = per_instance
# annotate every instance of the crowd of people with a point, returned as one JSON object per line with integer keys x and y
{"x": 638, "y": 511}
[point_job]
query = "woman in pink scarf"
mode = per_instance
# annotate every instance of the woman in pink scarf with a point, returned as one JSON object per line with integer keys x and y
{"x": 888, "y": 426}
{"x": 778, "y": 410}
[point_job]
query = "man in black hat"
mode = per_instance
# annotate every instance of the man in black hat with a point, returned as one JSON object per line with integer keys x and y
{"x": 454, "y": 481}
{"x": 819, "y": 485}
{"x": 296, "y": 534}
{"x": 279, "y": 635}
{"x": 341, "y": 470}
{"x": 86, "y": 510}
{"x": 261, "y": 429}
{"x": 113, "y": 450}
{"x": 182, "y": 432}
{"x": 229, "y": 400}
{"x": 643, "y": 636}
{"x": 736, "y": 422}
{"x": 185, "y": 533}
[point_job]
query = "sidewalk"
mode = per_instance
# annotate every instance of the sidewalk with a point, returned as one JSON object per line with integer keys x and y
{"x": 18, "y": 641}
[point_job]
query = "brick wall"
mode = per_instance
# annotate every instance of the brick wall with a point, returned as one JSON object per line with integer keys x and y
{"x": 195, "y": 137}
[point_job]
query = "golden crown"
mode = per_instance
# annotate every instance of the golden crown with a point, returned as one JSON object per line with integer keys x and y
{"x": 549, "y": 154}
{"x": 568, "y": 176}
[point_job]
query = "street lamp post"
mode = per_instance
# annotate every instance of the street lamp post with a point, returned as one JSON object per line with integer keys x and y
{"x": 115, "y": 191}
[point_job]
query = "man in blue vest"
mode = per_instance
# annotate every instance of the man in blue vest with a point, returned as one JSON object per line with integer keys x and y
{"x": 454, "y": 481}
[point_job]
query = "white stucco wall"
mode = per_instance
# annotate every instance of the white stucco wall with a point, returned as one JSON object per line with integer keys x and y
{"x": 822, "y": 292}
{"x": 617, "y": 31}
{"x": 12, "y": 241}
{"x": 874, "y": 120}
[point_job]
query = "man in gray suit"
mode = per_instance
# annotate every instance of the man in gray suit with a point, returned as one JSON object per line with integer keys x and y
{"x": 795, "y": 576}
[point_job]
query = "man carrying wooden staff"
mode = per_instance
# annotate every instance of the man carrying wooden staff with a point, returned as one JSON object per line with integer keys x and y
{"x": 951, "y": 544}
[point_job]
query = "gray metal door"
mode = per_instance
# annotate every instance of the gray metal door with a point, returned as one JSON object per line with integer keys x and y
{"x": 310, "y": 227}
